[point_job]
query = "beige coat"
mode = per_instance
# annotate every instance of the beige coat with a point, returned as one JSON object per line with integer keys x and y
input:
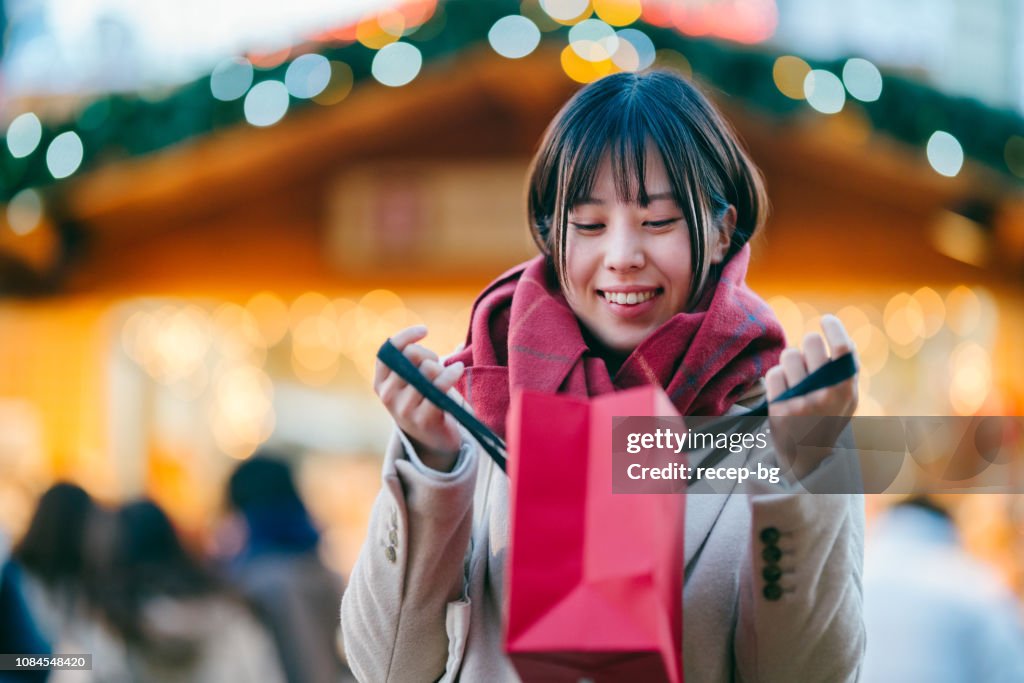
{"x": 424, "y": 600}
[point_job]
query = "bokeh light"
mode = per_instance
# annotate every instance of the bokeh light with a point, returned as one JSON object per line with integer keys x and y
{"x": 416, "y": 13}
{"x": 618, "y": 12}
{"x": 307, "y": 76}
{"x": 271, "y": 316}
{"x": 789, "y": 316}
{"x": 749, "y": 21}
{"x": 24, "y": 134}
{"x": 241, "y": 414}
{"x": 25, "y": 211}
{"x": 872, "y": 348}
{"x": 231, "y": 79}
{"x": 635, "y": 52}
{"x": 514, "y": 36}
{"x": 307, "y": 305}
{"x": 971, "y": 377}
{"x": 824, "y": 91}
{"x": 945, "y": 153}
{"x": 266, "y": 103}
{"x": 812, "y": 321}
{"x": 339, "y": 86}
{"x": 269, "y": 58}
{"x": 853, "y": 318}
{"x": 583, "y": 70}
{"x": 64, "y": 155}
{"x": 789, "y": 74}
{"x": 566, "y": 10}
{"x": 379, "y": 29}
{"x": 963, "y": 310}
{"x": 904, "y": 319}
{"x": 667, "y": 58}
{"x": 933, "y": 310}
{"x": 238, "y": 335}
{"x": 170, "y": 343}
{"x": 593, "y": 40}
{"x": 862, "y": 79}
{"x": 397, "y": 64}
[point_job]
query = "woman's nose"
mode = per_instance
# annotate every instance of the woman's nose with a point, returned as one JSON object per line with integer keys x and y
{"x": 624, "y": 250}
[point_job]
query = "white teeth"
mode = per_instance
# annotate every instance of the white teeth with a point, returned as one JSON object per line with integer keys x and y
{"x": 629, "y": 299}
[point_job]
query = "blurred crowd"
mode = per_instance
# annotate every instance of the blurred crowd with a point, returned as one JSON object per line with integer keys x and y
{"x": 120, "y": 584}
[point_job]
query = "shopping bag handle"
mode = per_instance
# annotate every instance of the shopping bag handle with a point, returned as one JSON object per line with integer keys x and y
{"x": 833, "y": 372}
{"x": 397, "y": 361}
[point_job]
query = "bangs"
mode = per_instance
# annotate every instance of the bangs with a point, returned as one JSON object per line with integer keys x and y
{"x": 622, "y": 134}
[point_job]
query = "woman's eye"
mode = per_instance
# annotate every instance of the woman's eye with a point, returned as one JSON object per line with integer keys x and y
{"x": 585, "y": 227}
{"x": 661, "y": 224}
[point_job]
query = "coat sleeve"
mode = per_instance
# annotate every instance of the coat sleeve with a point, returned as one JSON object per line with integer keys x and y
{"x": 410, "y": 570}
{"x": 801, "y": 596}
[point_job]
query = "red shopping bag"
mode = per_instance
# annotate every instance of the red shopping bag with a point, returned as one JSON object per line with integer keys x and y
{"x": 594, "y": 580}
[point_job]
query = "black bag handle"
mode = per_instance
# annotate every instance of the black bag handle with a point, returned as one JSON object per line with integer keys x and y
{"x": 833, "y": 372}
{"x": 397, "y": 361}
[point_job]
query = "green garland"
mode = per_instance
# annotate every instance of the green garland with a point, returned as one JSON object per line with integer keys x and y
{"x": 124, "y": 126}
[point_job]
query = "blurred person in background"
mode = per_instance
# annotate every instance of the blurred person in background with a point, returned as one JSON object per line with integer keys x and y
{"x": 165, "y": 618}
{"x": 51, "y": 558}
{"x": 280, "y": 572}
{"x": 18, "y": 631}
{"x": 934, "y": 613}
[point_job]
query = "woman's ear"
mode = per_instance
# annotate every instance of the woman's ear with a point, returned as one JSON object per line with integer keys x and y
{"x": 723, "y": 235}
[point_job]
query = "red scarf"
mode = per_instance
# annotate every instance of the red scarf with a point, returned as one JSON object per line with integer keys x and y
{"x": 523, "y": 334}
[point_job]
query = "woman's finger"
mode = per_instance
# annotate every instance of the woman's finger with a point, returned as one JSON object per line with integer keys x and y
{"x": 418, "y": 354}
{"x": 413, "y": 397}
{"x": 443, "y": 378}
{"x": 380, "y": 373}
{"x": 449, "y": 376}
{"x": 775, "y": 383}
{"x": 838, "y": 339}
{"x": 389, "y": 388}
{"x": 793, "y": 367}
{"x": 815, "y": 353}
{"x": 408, "y": 336}
{"x": 399, "y": 340}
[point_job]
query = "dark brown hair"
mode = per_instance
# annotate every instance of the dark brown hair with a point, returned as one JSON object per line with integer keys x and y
{"x": 54, "y": 546}
{"x": 707, "y": 167}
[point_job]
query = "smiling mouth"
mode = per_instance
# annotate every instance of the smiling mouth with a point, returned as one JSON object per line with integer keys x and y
{"x": 630, "y": 298}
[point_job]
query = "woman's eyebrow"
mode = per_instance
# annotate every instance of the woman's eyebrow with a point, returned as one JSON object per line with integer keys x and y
{"x": 583, "y": 201}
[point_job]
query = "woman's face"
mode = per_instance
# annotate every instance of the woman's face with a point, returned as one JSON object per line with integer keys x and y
{"x": 628, "y": 267}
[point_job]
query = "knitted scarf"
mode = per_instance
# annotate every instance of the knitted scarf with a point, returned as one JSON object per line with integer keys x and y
{"x": 524, "y": 335}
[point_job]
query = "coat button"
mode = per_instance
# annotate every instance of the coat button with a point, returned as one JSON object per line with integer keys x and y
{"x": 771, "y": 553}
{"x": 390, "y": 553}
{"x": 772, "y": 591}
{"x": 770, "y": 535}
{"x": 771, "y": 572}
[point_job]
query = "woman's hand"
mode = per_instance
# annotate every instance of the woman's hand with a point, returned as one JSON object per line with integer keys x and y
{"x": 838, "y": 400}
{"x": 434, "y": 433}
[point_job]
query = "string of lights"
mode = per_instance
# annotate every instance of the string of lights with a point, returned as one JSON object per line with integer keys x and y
{"x": 720, "y": 44}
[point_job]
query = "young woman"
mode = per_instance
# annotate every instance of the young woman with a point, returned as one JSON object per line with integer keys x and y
{"x": 642, "y": 203}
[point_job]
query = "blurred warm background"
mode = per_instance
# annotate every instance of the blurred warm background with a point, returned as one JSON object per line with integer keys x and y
{"x": 213, "y": 213}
